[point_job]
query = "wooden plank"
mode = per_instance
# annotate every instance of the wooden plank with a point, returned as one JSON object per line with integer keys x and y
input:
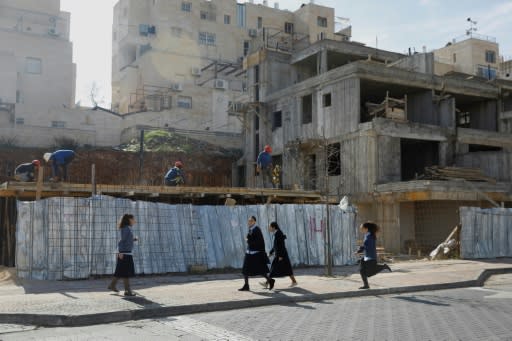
{"x": 39, "y": 186}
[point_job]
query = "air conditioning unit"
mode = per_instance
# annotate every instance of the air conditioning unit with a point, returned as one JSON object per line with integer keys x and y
{"x": 196, "y": 71}
{"x": 53, "y": 31}
{"x": 177, "y": 87}
{"x": 253, "y": 32}
{"x": 220, "y": 84}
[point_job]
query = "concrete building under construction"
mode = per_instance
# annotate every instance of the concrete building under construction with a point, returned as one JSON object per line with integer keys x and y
{"x": 388, "y": 130}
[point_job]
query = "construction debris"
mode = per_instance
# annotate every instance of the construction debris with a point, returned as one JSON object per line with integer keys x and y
{"x": 449, "y": 247}
{"x": 451, "y": 173}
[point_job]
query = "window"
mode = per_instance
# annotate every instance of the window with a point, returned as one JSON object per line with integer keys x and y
{"x": 240, "y": 15}
{"x": 455, "y": 58}
{"x": 322, "y": 21}
{"x": 58, "y": 124}
{"x": 227, "y": 19}
{"x": 185, "y": 102}
{"x": 288, "y": 27}
{"x": 186, "y": 6}
{"x": 486, "y": 72}
{"x": 114, "y": 36}
{"x": 246, "y": 47}
{"x": 490, "y": 56}
{"x": 260, "y": 22}
{"x": 256, "y": 74}
{"x": 204, "y": 15}
{"x": 20, "y": 120}
{"x": 307, "y": 109}
{"x": 326, "y": 100}
{"x": 33, "y": 65}
{"x": 206, "y": 38}
{"x": 18, "y": 96}
{"x": 167, "y": 102}
{"x": 464, "y": 119}
{"x": 145, "y": 29}
{"x": 277, "y": 120}
{"x": 333, "y": 159}
{"x": 125, "y": 12}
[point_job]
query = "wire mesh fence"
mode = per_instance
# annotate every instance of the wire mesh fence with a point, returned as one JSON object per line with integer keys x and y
{"x": 71, "y": 238}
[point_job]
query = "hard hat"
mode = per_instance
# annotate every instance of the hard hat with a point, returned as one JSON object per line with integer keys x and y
{"x": 47, "y": 156}
{"x": 178, "y": 164}
{"x": 268, "y": 149}
{"x": 36, "y": 163}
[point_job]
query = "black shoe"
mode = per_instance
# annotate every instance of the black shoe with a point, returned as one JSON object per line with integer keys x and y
{"x": 364, "y": 287}
{"x": 244, "y": 288}
{"x": 129, "y": 293}
{"x": 387, "y": 267}
{"x": 271, "y": 283}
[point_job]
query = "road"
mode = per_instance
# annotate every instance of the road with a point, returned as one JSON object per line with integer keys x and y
{"x": 458, "y": 314}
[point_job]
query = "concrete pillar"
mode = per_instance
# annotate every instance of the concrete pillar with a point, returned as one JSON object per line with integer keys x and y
{"x": 407, "y": 225}
{"x": 388, "y": 218}
{"x": 321, "y": 62}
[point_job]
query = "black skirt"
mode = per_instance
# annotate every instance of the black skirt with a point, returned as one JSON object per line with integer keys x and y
{"x": 125, "y": 267}
{"x": 370, "y": 267}
{"x": 281, "y": 268}
{"x": 255, "y": 264}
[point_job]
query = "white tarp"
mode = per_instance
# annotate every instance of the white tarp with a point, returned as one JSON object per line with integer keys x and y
{"x": 68, "y": 238}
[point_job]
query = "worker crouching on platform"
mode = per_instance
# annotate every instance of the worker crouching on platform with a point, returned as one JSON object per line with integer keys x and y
{"x": 26, "y": 171}
{"x": 59, "y": 161}
{"x": 175, "y": 176}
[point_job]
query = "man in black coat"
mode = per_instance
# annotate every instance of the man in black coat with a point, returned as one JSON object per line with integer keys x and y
{"x": 256, "y": 260}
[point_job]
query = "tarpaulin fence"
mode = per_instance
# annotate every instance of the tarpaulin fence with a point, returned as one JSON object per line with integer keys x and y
{"x": 486, "y": 232}
{"x": 71, "y": 238}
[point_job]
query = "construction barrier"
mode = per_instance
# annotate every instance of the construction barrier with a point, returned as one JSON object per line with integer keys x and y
{"x": 486, "y": 232}
{"x": 72, "y": 238}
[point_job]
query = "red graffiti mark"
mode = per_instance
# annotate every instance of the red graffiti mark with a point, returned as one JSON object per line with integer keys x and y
{"x": 314, "y": 228}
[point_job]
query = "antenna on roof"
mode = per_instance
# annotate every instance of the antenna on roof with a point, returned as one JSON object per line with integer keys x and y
{"x": 472, "y": 27}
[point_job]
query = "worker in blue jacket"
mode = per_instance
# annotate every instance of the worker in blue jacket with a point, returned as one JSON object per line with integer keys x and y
{"x": 59, "y": 160}
{"x": 175, "y": 176}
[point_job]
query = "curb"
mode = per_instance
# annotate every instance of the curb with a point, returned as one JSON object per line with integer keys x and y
{"x": 50, "y": 320}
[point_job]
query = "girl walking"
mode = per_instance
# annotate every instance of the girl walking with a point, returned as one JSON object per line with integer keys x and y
{"x": 124, "y": 261}
{"x": 281, "y": 265}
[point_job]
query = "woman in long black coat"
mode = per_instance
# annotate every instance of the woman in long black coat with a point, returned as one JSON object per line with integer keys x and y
{"x": 281, "y": 265}
{"x": 255, "y": 260}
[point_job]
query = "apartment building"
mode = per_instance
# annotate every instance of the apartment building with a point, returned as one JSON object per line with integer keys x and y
{"x": 347, "y": 119}
{"x": 37, "y": 81}
{"x": 181, "y": 62}
{"x": 472, "y": 54}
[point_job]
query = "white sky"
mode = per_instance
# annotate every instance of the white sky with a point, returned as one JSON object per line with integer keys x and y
{"x": 397, "y": 25}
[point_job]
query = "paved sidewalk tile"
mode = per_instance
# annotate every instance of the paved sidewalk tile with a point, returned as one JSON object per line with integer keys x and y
{"x": 175, "y": 294}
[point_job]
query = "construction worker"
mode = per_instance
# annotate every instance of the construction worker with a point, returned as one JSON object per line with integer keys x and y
{"x": 59, "y": 160}
{"x": 175, "y": 176}
{"x": 264, "y": 166}
{"x": 25, "y": 172}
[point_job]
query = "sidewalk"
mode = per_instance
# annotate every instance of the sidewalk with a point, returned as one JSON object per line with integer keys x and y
{"x": 87, "y": 302}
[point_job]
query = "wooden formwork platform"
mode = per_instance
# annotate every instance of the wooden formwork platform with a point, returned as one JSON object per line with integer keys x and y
{"x": 184, "y": 194}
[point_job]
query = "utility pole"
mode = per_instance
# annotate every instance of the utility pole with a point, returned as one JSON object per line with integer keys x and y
{"x": 328, "y": 246}
{"x": 141, "y": 155}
